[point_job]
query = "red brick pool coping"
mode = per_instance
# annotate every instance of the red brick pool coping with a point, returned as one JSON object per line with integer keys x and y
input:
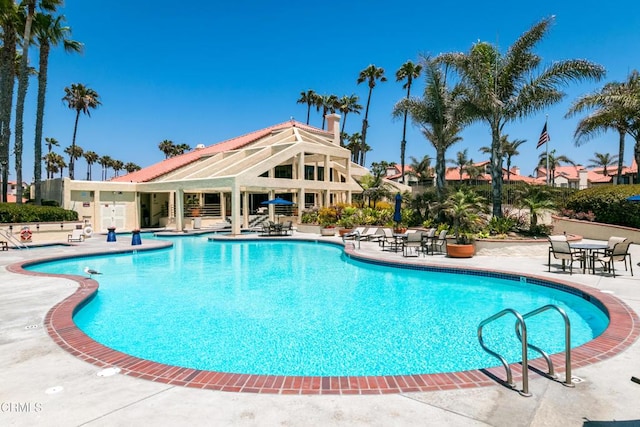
{"x": 622, "y": 331}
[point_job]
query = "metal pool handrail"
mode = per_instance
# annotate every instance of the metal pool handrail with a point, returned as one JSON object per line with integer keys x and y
{"x": 525, "y": 363}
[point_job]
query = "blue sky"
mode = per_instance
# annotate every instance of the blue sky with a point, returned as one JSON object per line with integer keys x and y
{"x": 204, "y": 72}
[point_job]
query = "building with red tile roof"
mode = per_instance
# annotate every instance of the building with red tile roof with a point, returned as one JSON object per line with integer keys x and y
{"x": 228, "y": 180}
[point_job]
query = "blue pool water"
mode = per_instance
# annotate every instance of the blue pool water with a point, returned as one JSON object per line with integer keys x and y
{"x": 303, "y": 308}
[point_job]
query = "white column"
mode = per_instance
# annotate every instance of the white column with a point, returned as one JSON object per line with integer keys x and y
{"x": 223, "y": 206}
{"x": 245, "y": 211}
{"x": 179, "y": 203}
{"x": 235, "y": 209}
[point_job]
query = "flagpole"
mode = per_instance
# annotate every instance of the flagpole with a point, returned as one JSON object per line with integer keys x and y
{"x": 546, "y": 144}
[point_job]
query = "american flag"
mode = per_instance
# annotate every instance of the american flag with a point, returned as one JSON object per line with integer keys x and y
{"x": 544, "y": 136}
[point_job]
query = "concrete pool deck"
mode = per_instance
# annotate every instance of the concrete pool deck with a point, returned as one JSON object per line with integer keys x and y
{"x": 42, "y": 384}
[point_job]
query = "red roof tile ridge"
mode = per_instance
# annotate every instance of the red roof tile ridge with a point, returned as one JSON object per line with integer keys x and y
{"x": 172, "y": 163}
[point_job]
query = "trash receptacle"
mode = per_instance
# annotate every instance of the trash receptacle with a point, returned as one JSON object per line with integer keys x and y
{"x": 197, "y": 223}
{"x": 111, "y": 234}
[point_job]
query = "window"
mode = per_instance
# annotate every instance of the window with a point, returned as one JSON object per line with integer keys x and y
{"x": 284, "y": 171}
{"x": 308, "y": 172}
{"x": 320, "y": 173}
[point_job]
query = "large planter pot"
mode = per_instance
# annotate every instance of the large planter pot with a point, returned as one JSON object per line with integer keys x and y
{"x": 344, "y": 231}
{"x": 327, "y": 231}
{"x": 455, "y": 250}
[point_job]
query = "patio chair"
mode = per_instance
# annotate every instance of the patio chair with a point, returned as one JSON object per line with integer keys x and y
{"x": 428, "y": 238}
{"x": 287, "y": 227}
{"x": 265, "y": 229}
{"x": 413, "y": 240}
{"x": 77, "y": 235}
{"x": 389, "y": 242}
{"x": 440, "y": 244}
{"x": 619, "y": 252}
{"x": 559, "y": 247}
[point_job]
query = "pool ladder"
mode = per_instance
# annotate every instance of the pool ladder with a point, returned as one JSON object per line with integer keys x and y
{"x": 521, "y": 333}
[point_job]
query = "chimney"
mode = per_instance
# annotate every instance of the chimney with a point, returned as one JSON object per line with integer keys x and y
{"x": 333, "y": 126}
{"x": 515, "y": 170}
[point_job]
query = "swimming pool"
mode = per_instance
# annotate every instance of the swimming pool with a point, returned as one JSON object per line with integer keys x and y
{"x": 303, "y": 308}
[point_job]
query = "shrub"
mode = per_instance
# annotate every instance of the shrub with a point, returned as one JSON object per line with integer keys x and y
{"x": 13, "y": 213}
{"x": 608, "y": 204}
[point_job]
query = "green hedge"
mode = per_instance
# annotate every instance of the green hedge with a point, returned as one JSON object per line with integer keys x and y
{"x": 609, "y": 204}
{"x": 14, "y": 213}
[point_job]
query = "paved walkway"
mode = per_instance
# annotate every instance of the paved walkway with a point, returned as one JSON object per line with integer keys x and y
{"x": 41, "y": 384}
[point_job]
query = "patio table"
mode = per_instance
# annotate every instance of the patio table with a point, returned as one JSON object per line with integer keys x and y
{"x": 588, "y": 250}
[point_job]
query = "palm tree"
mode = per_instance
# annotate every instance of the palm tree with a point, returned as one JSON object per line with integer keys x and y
{"x": 554, "y": 162}
{"x": 51, "y": 142}
{"x": 439, "y": 115}
{"x": 510, "y": 149}
{"x": 23, "y": 83}
{"x": 309, "y": 98}
{"x": 329, "y": 103}
{"x": 9, "y": 21}
{"x": 354, "y": 146}
{"x": 534, "y": 198}
{"x": 74, "y": 152}
{"x": 408, "y": 71}
{"x": 60, "y": 164}
{"x": 421, "y": 169}
{"x": 371, "y": 75}
{"x": 473, "y": 171}
{"x": 50, "y": 162}
{"x": 348, "y": 104}
{"x": 105, "y": 162}
{"x": 611, "y": 112}
{"x": 167, "y": 147}
{"x": 504, "y": 88}
{"x": 117, "y": 166}
{"x": 603, "y": 160}
{"x": 91, "y": 157}
{"x": 48, "y": 31}
{"x": 82, "y": 99}
{"x": 180, "y": 149}
{"x": 131, "y": 167}
{"x": 462, "y": 161}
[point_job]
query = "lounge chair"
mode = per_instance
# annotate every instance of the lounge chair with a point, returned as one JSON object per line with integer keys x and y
{"x": 4, "y": 246}
{"x": 619, "y": 252}
{"x": 355, "y": 234}
{"x": 413, "y": 240}
{"x": 77, "y": 235}
{"x": 373, "y": 234}
{"x": 559, "y": 247}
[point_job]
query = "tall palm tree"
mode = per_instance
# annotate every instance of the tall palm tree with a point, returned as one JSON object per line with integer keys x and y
{"x": 180, "y": 149}
{"x": 74, "y": 152}
{"x": 48, "y": 31}
{"x": 9, "y": 21}
{"x": 23, "y": 83}
{"x": 81, "y": 99}
{"x": 510, "y": 149}
{"x": 611, "y": 111}
{"x": 48, "y": 163}
{"x": 105, "y": 162}
{"x": 328, "y": 103}
{"x": 554, "y": 161}
{"x": 131, "y": 167}
{"x": 371, "y": 75}
{"x": 309, "y": 98}
{"x": 408, "y": 71}
{"x": 354, "y": 146}
{"x": 462, "y": 161}
{"x": 167, "y": 147}
{"x": 504, "y": 88}
{"x": 51, "y": 142}
{"x": 348, "y": 104}
{"x": 117, "y": 166}
{"x": 91, "y": 157}
{"x": 421, "y": 169}
{"x": 438, "y": 113}
{"x": 603, "y": 160}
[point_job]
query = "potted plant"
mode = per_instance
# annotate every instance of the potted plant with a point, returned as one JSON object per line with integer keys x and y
{"x": 327, "y": 217}
{"x": 463, "y": 208}
{"x": 347, "y": 223}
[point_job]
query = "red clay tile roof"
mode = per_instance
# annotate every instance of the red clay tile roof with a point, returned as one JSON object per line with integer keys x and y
{"x": 168, "y": 165}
